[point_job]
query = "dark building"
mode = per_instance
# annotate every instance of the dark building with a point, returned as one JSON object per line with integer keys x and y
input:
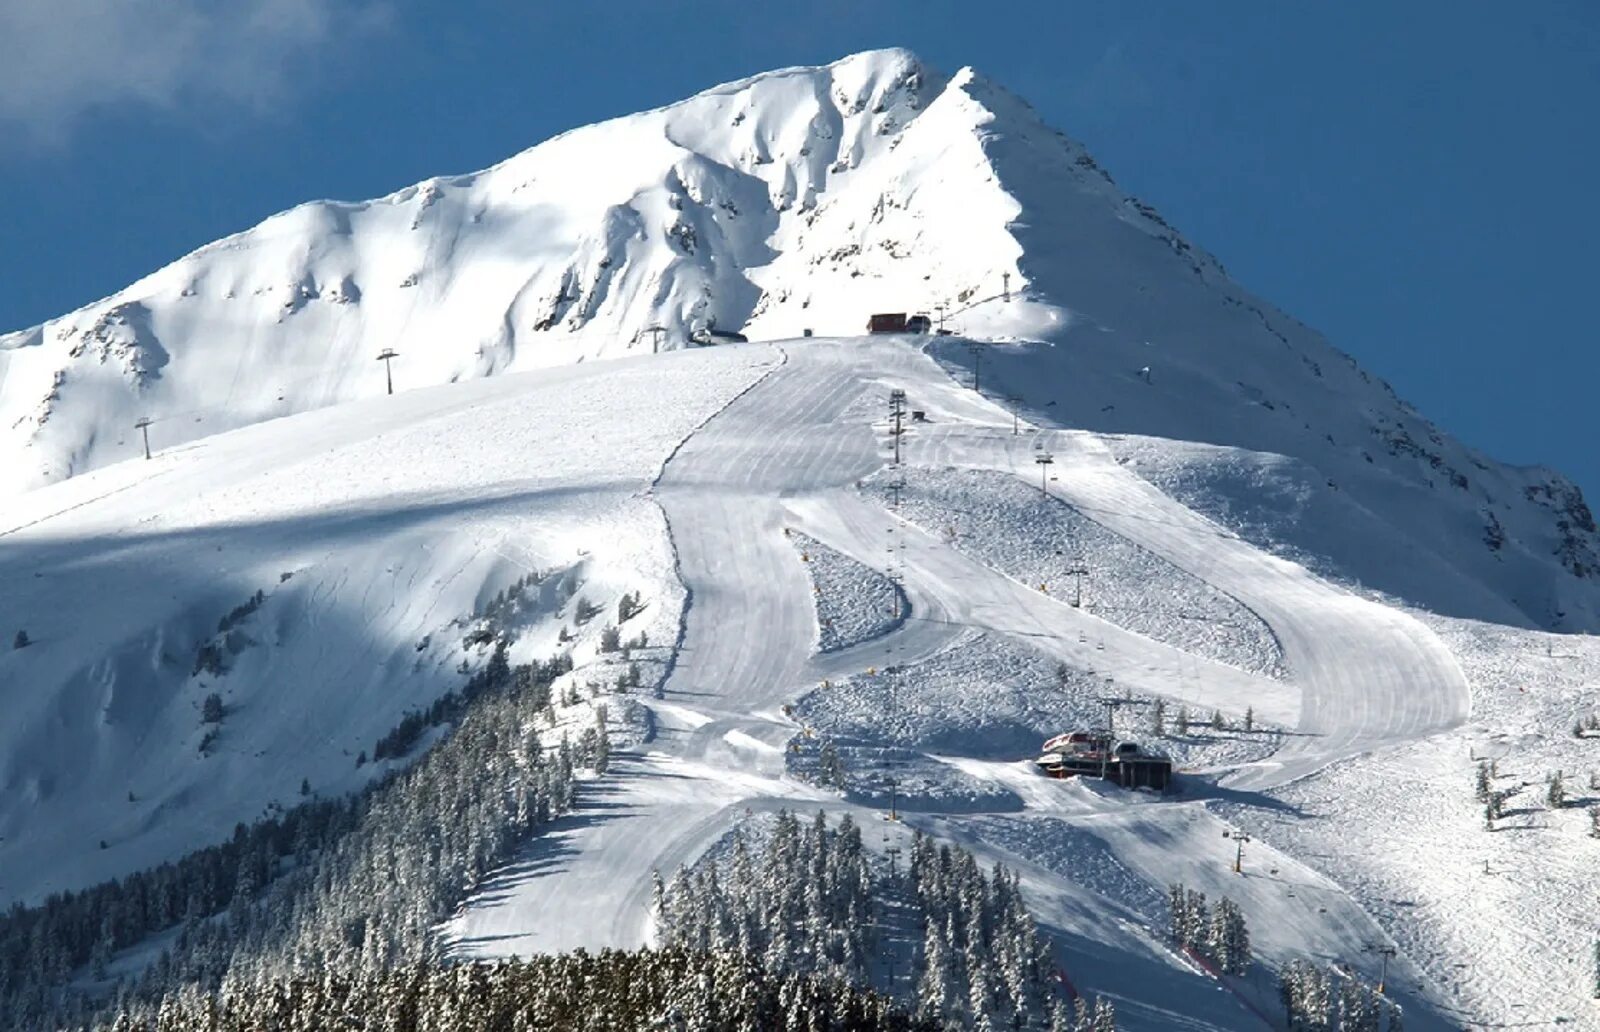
{"x": 899, "y": 322}
{"x": 1092, "y": 754}
{"x": 1142, "y": 771}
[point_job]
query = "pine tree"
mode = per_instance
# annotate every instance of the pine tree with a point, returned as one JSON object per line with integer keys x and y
{"x": 1183, "y": 720}
{"x": 1249, "y": 718}
{"x": 1242, "y": 952}
{"x": 1158, "y": 718}
{"x": 21, "y": 641}
{"x": 1556, "y": 794}
{"x": 1177, "y": 927}
{"x": 602, "y": 749}
{"x": 1485, "y": 786}
{"x": 830, "y": 768}
{"x": 1218, "y": 722}
{"x": 1229, "y": 941}
{"x": 211, "y": 709}
{"x": 1196, "y": 918}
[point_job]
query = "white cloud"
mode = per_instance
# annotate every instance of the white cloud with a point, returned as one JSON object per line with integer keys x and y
{"x": 62, "y": 58}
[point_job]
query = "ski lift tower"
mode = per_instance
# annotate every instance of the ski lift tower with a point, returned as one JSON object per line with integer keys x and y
{"x": 1077, "y": 571}
{"x": 1112, "y": 703}
{"x": 897, "y": 414}
{"x": 143, "y": 425}
{"x": 1044, "y": 459}
{"x": 656, "y": 333}
{"x": 386, "y": 356}
{"x": 1015, "y": 401}
{"x": 1239, "y": 839}
{"x": 1384, "y": 953}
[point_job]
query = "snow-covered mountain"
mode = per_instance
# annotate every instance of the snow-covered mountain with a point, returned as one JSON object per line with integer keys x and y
{"x": 800, "y": 200}
{"x": 797, "y": 200}
{"x": 1260, "y": 528}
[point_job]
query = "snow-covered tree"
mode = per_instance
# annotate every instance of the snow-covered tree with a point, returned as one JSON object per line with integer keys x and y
{"x": 1228, "y": 941}
{"x": 830, "y": 768}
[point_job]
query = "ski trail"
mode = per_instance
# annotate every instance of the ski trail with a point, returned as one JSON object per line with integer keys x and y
{"x": 1369, "y": 675}
{"x": 789, "y": 452}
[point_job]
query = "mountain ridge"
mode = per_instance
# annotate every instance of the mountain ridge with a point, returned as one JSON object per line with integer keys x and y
{"x": 1122, "y": 473}
{"x": 781, "y": 204}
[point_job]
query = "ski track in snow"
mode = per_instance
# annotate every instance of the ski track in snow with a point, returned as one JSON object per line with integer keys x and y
{"x": 790, "y": 453}
{"x": 788, "y": 203}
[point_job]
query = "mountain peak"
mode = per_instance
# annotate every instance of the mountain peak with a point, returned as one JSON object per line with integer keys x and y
{"x": 792, "y": 202}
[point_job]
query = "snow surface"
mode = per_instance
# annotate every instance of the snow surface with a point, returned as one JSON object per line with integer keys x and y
{"x": 855, "y": 603}
{"x": 398, "y": 520}
{"x": 787, "y": 454}
{"x": 1023, "y": 532}
{"x": 798, "y": 200}
{"x": 1211, "y": 456}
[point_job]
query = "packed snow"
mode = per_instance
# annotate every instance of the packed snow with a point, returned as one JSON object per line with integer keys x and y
{"x": 397, "y": 522}
{"x": 1027, "y": 534}
{"x": 855, "y": 603}
{"x": 707, "y": 533}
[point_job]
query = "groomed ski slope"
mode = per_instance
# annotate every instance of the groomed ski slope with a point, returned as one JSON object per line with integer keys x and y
{"x": 395, "y": 521}
{"x": 788, "y": 453}
{"x": 1369, "y": 675}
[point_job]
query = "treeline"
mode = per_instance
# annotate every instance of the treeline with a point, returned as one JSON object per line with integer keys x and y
{"x": 1216, "y": 933}
{"x": 983, "y": 964}
{"x": 611, "y": 991}
{"x": 804, "y": 903}
{"x": 356, "y": 885}
{"x": 1321, "y": 999}
{"x": 808, "y": 901}
{"x": 451, "y": 706}
{"x": 1315, "y": 999}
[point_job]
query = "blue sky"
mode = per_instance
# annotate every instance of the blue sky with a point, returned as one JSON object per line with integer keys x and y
{"x": 1417, "y": 181}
